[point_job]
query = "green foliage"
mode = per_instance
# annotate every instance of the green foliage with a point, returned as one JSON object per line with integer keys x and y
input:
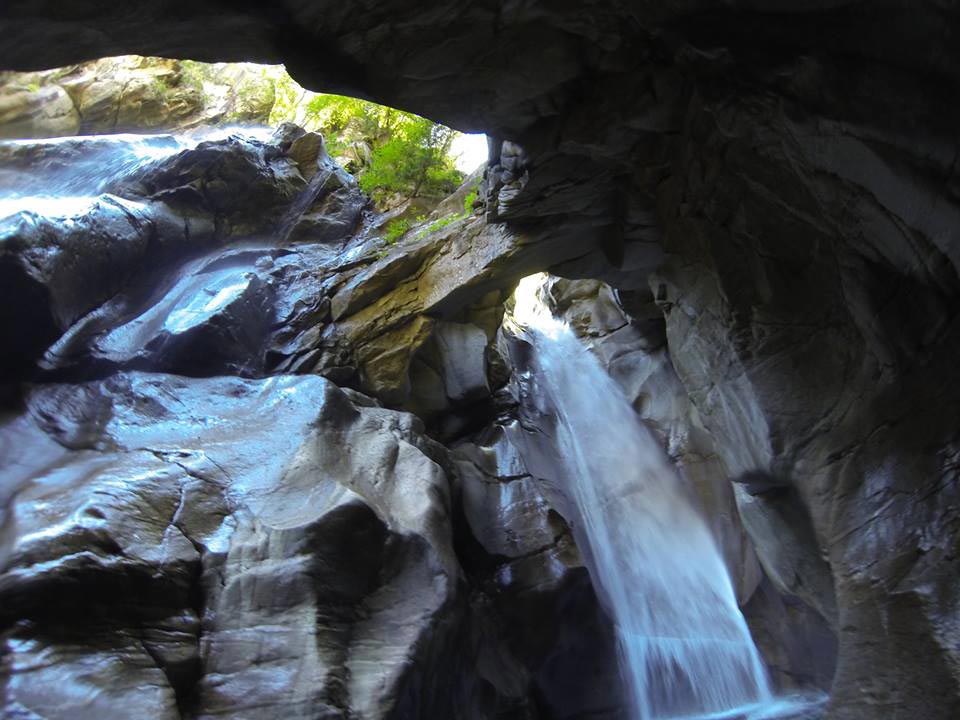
{"x": 192, "y": 77}
{"x": 336, "y": 114}
{"x": 160, "y": 88}
{"x": 33, "y": 87}
{"x": 468, "y": 203}
{"x": 471, "y": 199}
{"x": 443, "y": 222}
{"x": 398, "y": 154}
{"x": 192, "y": 74}
{"x": 396, "y": 229}
{"x": 288, "y": 97}
{"x": 413, "y": 162}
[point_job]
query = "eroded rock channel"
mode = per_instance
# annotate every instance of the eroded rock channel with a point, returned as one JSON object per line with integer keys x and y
{"x": 199, "y": 500}
{"x": 259, "y": 462}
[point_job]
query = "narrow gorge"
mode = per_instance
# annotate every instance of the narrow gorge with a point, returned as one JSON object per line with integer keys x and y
{"x": 655, "y": 416}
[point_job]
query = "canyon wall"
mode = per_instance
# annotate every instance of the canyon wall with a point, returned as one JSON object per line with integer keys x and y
{"x": 777, "y": 180}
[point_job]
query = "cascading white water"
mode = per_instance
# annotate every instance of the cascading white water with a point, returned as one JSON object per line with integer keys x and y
{"x": 67, "y": 175}
{"x": 686, "y": 650}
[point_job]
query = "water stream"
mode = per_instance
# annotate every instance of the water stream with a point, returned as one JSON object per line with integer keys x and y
{"x": 62, "y": 177}
{"x": 686, "y": 651}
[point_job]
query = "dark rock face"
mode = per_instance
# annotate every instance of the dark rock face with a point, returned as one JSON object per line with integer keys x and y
{"x": 155, "y": 535}
{"x": 142, "y": 278}
{"x": 789, "y": 170}
{"x": 306, "y": 576}
{"x": 763, "y": 531}
{"x": 819, "y": 364}
{"x": 60, "y": 272}
{"x": 530, "y": 581}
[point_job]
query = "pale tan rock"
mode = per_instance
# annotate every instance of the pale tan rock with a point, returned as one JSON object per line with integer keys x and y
{"x": 45, "y": 111}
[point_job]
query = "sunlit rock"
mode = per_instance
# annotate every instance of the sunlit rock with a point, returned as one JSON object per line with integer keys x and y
{"x": 37, "y": 112}
{"x": 788, "y": 169}
{"x": 143, "y": 258}
{"x": 236, "y": 566}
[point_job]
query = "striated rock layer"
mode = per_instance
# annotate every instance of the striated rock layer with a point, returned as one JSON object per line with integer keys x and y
{"x": 131, "y": 94}
{"x": 787, "y": 168}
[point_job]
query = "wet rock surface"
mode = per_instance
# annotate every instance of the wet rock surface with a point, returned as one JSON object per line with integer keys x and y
{"x": 176, "y": 545}
{"x": 787, "y": 168}
{"x": 530, "y": 579}
{"x": 155, "y": 535}
{"x": 182, "y": 264}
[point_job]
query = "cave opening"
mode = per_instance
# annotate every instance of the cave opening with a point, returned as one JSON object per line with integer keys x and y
{"x": 710, "y": 471}
{"x": 226, "y": 184}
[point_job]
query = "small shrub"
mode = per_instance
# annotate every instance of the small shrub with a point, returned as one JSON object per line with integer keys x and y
{"x": 396, "y": 229}
{"x": 160, "y": 88}
{"x": 469, "y": 201}
{"x": 442, "y": 223}
{"x": 192, "y": 75}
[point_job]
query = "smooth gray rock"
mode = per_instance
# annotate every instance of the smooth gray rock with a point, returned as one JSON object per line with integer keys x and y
{"x": 530, "y": 581}
{"x": 508, "y": 517}
{"x": 799, "y": 648}
{"x": 141, "y": 278}
{"x": 460, "y": 348}
{"x": 54, "y": 272}
{"x": 795, "y": 161}
{"x": 233, "y": 574}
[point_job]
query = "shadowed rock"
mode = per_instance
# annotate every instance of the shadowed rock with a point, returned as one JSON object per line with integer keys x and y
{"x": 794, "y": 161}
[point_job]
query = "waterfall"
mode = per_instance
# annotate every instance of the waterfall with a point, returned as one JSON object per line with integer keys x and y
{"x": 65, "y": 176}
{"x": 685, "y": 648}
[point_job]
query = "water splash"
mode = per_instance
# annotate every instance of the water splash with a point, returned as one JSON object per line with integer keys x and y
{"x": 64, "y": 177}
{"x": 685, "y": 648}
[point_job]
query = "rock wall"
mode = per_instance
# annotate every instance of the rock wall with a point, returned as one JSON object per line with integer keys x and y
{"x": 157, "y": 534}
{"x": 788, "y": 169}
{"x": 131, "y": 94}
{"x": 826, "y": 341}
{"x": 794, "y": 625}
{"x": 191, "y": 555}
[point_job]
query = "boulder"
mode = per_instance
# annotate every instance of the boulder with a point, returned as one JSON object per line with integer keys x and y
{"x": 214, "y": 565}
{"x": 37, "y": 112}
{"x": 54, "y": 272}
{"x": 144, "y": 274}
{"x": 460, "y": 352}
